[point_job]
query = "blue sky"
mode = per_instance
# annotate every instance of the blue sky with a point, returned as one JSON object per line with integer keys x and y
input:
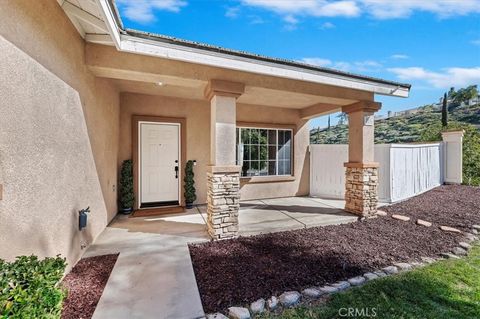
{"x": 432, "y": 44}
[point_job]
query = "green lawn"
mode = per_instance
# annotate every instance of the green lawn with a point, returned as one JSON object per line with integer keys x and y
{"x": 445, "y": 289}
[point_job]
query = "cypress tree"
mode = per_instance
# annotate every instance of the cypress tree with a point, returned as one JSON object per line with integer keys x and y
{"x": 190, "y": 195}
{"x": 444, "y": 111}
{"x": 127, "y": 195}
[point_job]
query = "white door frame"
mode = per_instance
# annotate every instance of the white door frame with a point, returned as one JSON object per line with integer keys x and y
{"x": 136, "y": 150}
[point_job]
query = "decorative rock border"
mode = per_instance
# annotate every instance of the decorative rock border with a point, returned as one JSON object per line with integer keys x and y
{"x": 290, "y": 299}
{"x": 401, "y": 217}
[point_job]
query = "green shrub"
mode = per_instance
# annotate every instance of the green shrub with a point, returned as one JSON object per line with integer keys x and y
{"x": 471, "y": 148}
{"x": 29, "y": 287}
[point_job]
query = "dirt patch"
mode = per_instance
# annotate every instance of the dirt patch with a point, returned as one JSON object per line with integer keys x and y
{"x": 85, "y": 284}
{"x": 239, "y": 271}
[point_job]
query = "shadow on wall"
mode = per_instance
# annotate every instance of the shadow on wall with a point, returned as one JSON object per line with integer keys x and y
{"x": 48, "y": 169}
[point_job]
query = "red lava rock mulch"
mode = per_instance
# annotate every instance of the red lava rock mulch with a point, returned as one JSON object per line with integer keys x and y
{"x": 239, "y": 271}
{"x": 450, "y": 205}
{"x": 85, "y": 284}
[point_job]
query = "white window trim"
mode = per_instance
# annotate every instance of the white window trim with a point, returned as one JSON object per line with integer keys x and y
{"x": 240, "y": 158}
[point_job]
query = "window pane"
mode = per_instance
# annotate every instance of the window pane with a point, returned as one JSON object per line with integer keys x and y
{"x": 272, "y": 152}
{"x": 263, "y": 168}
{"x": 245, "y": 168}
{"x": 245, "y": 136}
{"x": 263, "y": 152}
{"x": 246, "y": 152}
{"x": 281, "y": 152}
{"x": 287, "y": 170}
{"x": 254, "y": 152}
{"x": 288, "y": 136}
{"x": 280, "y": 167}
{"x": 263, "y": 137}
{"x": 286, "y": 152}
{"x": 254, "y": 136}
{"x": 281, "y": 137}
{"x": 272, "y": 137}
{"x": 272, "y": 168}
{"x": 254, "y": 166}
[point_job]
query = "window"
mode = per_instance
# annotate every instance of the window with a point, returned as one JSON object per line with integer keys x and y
{"x": 264, "y": 152}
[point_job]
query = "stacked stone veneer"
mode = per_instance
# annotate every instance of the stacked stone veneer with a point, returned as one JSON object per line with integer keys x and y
{"x": 223, "y": 203}
{"x": 361, "y": 196}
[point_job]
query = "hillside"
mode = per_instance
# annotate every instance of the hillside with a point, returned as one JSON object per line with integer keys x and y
{"x": 400, "y": 129}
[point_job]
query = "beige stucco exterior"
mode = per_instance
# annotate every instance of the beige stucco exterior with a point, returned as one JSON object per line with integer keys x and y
{"x": 59, "y": 135}
{"x": 197, "y": 115}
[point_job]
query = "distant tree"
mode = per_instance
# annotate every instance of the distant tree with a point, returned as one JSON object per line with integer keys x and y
{"x": 451, "y": 93}
{"x": 329, "y": 122}
{"x": 463, "y": 95}
{"x": 444, "y": 111}
{"x": 342, "y": 118}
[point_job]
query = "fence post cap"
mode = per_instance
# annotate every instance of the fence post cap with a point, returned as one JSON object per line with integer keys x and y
{"x": 453, "y": 135}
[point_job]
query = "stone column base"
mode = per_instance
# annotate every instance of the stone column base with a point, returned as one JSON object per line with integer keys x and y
{"x": 361, "y": 183}
{"x": 223, "y": 203}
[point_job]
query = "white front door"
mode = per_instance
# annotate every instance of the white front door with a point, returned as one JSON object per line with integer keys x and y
{"x": 159, "y": 158}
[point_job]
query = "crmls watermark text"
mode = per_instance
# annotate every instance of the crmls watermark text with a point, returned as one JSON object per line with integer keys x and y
{"x": 358, "y": 312}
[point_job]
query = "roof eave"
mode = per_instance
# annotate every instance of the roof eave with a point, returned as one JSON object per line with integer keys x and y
{"x": 213, "y": 56}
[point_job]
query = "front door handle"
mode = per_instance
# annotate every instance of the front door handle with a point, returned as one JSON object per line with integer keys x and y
{"x": 176, "y": 171}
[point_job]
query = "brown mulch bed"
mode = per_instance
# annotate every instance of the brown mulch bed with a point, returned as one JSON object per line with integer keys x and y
{"x": 450, "y": 205}
{"x": 239, "y": 271}
{"x": 85, "y": 284}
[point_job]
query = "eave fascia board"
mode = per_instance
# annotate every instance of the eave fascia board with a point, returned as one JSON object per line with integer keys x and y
{"x": 148, "y": 47}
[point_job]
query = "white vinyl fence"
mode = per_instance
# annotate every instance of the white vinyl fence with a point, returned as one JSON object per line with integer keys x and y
{"x": 405, "y": 169}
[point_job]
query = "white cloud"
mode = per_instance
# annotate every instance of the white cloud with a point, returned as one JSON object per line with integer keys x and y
{"x": 317, "y": 61}
{"x": 142, "y": 11}
{"x": 447, "y": 78}
{"x": 291, "y": 22}
{"x": 254, "y": 19}
{"x": 399, "y": 56}
{"x": 317, "y": 8}
{"x": 475, "y": 42}
{"x": 366, "y": 66}
{"x": 382, "y": 9}
{"x": 378, "y": 9}
{"x": 232, "y": 12}
{"x": 356, "y": 66}
{"x": 327, "y": 25}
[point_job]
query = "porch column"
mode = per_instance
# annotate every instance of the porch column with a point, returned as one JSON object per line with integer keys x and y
{"x": 361, "y": 180}
{"x": 223, "y": 177}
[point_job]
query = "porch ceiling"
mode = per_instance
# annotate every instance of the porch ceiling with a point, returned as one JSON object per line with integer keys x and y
{"x": 141, "y": 74}
{"x": 253, "y": 95}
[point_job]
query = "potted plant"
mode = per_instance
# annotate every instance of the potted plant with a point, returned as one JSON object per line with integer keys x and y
{"x": 190, "y": 195}
{"x": 127, "y": 196}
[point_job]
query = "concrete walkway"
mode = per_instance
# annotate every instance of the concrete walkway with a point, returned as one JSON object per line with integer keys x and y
{"x": 153, "y": 276}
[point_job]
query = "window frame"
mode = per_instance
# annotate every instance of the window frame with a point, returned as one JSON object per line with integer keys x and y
{"x": 277, "y": 128}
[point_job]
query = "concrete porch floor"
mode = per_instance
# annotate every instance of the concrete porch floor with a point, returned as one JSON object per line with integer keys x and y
{"x": 153, "y": 276}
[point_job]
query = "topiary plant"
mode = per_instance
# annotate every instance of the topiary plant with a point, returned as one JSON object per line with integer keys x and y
{"x": 127, "y": 196}
{"x": 190, "y": 195}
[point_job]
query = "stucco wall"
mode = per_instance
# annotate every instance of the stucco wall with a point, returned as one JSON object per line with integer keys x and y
{"x": 59, "y": 134}
{"x": 197, "y": 115}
